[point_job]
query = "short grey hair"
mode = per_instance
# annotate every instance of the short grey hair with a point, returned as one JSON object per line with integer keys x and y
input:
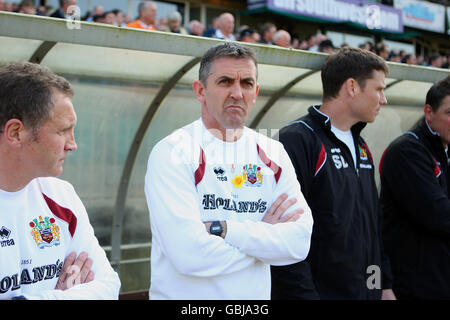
{"x": 143, "y": 4}
{"x": 226, "y": 49}
{"x": 27, "y": 93}
{"x": 174, "y": 16}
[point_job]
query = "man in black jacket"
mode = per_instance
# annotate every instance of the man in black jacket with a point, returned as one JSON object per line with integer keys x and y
{"x": 64, "y": 5}
{"x": 415, "y": 184}
{"x": 336, "y": 172}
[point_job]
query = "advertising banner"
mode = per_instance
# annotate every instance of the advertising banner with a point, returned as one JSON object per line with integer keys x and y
{"x": 367, "y": 14}
{"x": 422, "y": 15}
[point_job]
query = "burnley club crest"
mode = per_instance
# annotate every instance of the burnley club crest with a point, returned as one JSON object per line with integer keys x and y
{"x": 45, "y": 232}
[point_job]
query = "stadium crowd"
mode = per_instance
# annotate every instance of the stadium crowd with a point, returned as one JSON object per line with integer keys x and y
{"x": 222, "y": 27}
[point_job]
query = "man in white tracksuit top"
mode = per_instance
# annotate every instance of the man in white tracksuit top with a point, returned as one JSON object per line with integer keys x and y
{"x": 48, "y": 248}
{"x": 217, "y": 194}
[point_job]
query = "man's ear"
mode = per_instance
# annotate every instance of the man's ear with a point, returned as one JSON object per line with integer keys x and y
{"x": 199, "y": 90}
{"x": 351, "y": 87}
{"x": 428, "y": 112}
{"x": 14, "y": 133}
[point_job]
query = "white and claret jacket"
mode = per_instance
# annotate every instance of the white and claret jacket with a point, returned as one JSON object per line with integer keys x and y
{"x": 40, "y": 226}
{"x": 193, "y": 177}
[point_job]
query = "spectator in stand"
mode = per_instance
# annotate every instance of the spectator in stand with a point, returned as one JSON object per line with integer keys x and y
{"x": 326, "y": 46}
{"x": 435, "y": 60}
{"x": 225, "y": 27}
{"x": 420, "y": 61}
{"x": 267, "y": 33}
{"x": 394, "y": 56}
{"x": 8, "y": 6}
{"x": 120, "y": 18}
{"x": 247, "y": 35}
{"x": 27, "y": 7}
{"x": 410, "y": 58}
{"x": 109, "y": 18}
{"x": 367, "y": 46}
{"x": 196, "y": 28}
{"x": 317, "y": 40}
{"x": 257, "y": 37}
{"x": 127, "y": 19}
{"x": 282, "y": 38}
{"x": 41, "y": 11}
{"x": 402, "y": 54}
{"x": 382, "y": 50}
{"x": 310, "y": 41}
{"x": 162, "y": 24}
{"x": 446, "y": 61}
{"x": 98, "y": 11}
{"x": 64, "y": 5}
{"x": 303, "y": 45}
{"x": 295, "y": 43}
{"x": 212, "y": 29}
{"x": 147, "y": 16}
{"x": 2, "y": 5}
{"x": 174, "y": 20}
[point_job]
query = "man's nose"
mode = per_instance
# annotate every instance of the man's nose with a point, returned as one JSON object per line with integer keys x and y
{"x": 71, "y": 144}
{"x": 236, "y": 91}
{"x": 383, "y": 99}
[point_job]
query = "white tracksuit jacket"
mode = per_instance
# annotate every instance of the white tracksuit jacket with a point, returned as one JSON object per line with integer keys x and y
{"x": 193, "y": 177}
{"x": 39, "y": 226}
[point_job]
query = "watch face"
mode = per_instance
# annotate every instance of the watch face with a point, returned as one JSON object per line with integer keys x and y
{"x": 216, "y": 228}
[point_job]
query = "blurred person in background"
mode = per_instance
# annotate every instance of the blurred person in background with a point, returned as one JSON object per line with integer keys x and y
{"x": 174, "y": 21}
{"x": 162, "y": 24}
{"x": 97, "y": 11}
{"x": 62, "y": 11}
{"x": 267, "y": 33}
{"x": 120, "y": 18}
{"x": 410, "y": 58}
{"x": 27, "y": 7}
{"x": 310, "y": 41}
{"x": 282, "y": 38}
{"x": 147, "y": 16}
{"x": 109, "y": 18}
{"x": 318, "y": 38}
{"x": 211, "y": 31}
{"x": 382, "y": 50}
{"x": 225, "y": 27}
{"x": 326, "y": 46}
{"x": 247, "y": 35}
{"x": 196, "y": 28}
{"x": 435, "y": 60}
{"x": 394, "y": 56}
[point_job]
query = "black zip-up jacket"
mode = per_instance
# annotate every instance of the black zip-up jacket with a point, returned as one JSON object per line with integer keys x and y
{"x": 415, "y": 201}
{"x": 346, "y": 238}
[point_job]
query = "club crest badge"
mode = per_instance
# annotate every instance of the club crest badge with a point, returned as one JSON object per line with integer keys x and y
{"x": 45, "y": 232}
{"x": 362, "y": 153}
{"x": 252, "y": 175}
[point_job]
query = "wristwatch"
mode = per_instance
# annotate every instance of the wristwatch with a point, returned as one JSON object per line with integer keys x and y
{"x": 216, "y": 228}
